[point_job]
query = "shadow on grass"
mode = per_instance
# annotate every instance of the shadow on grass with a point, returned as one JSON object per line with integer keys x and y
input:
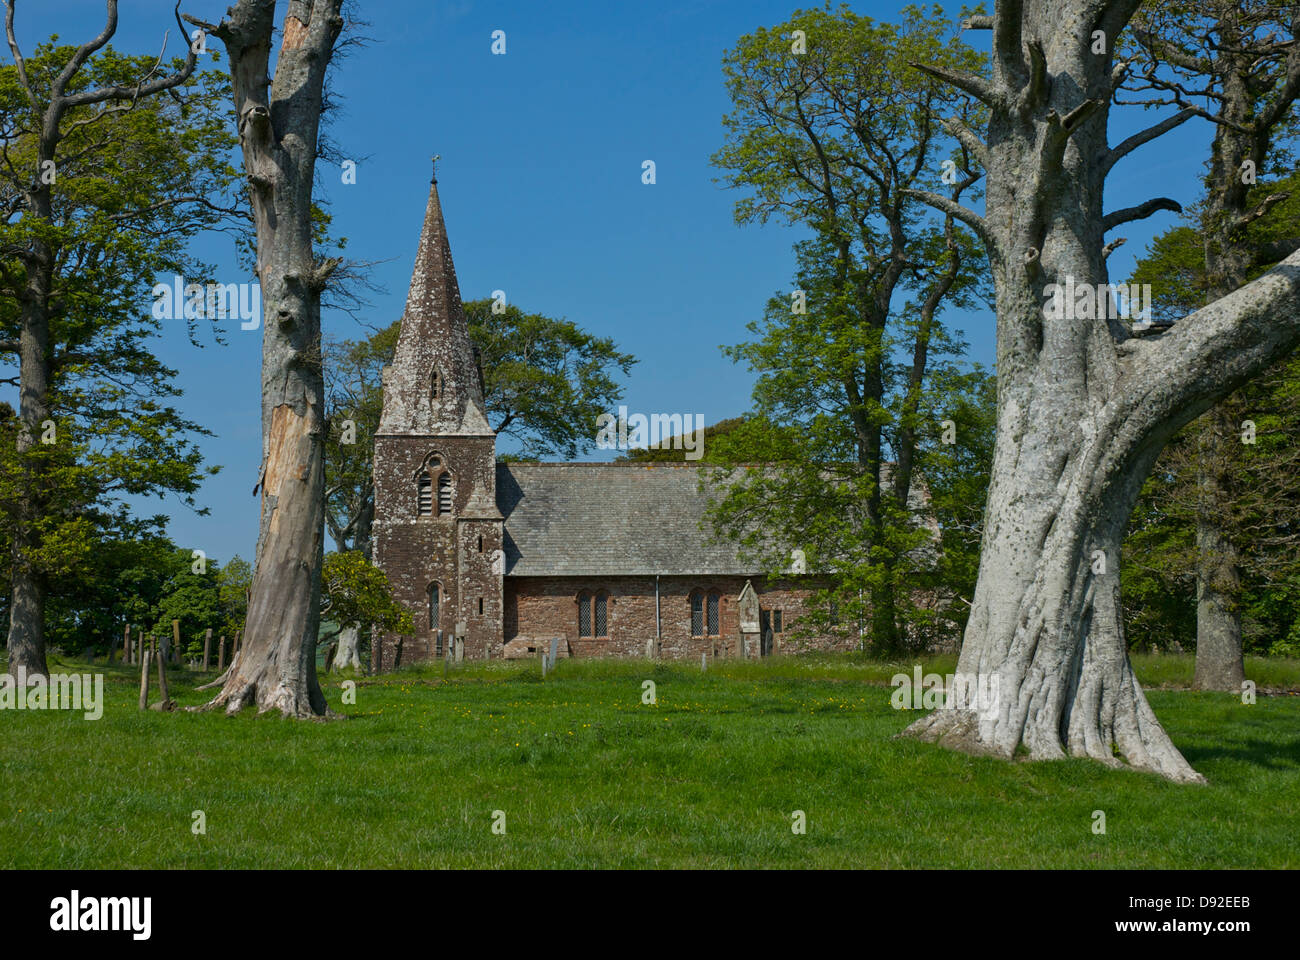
{"x": 1268, "y": 754}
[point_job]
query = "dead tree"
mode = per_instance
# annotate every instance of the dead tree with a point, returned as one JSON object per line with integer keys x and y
{"x": 279, "y": 126}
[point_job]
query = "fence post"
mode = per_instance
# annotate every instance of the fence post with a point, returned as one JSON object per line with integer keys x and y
{"x": 144, "y": 679}
{"x": 162, "y": 681}
{"x": 207, "y": 646}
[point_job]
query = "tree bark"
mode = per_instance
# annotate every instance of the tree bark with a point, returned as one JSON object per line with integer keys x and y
{"x": 1219, "y": 663}
{"x": 279, "y": 122}
{"x": 346, "y": 654}
{"x": 1083, "y": 409}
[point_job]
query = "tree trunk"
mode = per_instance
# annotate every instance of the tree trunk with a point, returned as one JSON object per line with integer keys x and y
{"x": 1219, "y": 663}
{"x": 346, "y": 655}
{"x": 1083, "y": 406}
{"x": 278, "y": 128}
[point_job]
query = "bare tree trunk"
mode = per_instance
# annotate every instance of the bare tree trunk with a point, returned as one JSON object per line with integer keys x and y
{"x": 1083, "y": 406}
{"x": 347, "y": 655}
{"x": 279, "y": 123}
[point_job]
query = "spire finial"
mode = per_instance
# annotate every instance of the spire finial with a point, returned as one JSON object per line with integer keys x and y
{"x": 434, "y": 162}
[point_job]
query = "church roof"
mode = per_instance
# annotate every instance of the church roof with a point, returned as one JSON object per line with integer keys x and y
{"x": 623, "y": 519}
{"x": 606, "y": 519}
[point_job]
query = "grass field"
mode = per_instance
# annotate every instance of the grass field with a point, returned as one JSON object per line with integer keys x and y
{"x": 589, "y": 776}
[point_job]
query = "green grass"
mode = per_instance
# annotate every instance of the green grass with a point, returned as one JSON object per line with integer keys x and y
{"x": 588, "y": 776}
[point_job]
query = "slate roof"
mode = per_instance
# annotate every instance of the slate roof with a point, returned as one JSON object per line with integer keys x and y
{"x": 604, "y": 519}
{"x": 618, "y": 519}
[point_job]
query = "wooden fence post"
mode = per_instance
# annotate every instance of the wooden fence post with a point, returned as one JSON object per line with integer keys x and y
{"x": 176, "y": 642}
{"x": 207, "y": 646}
{"x": 144, "y": 679}
{"x": 162, "y": 681}
{"x": 126, "y": 644}
{"x": 221, "y": 654}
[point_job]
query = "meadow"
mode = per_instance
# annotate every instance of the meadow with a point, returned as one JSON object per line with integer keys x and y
{"x": 492, "y": 765}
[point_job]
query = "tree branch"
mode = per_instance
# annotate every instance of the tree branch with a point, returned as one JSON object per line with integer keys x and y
{"x": 1130, "y": 144}
{"x": 977, "y": 87}
{"x": 1265, "y": 205}
{"x": 1140, "y": 212}
{"x": 954, "y": 209}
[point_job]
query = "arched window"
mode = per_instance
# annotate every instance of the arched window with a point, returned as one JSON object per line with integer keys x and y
{"x": 435, "y": 385}
{"x": 433, "y": 480}
{"x": 602, "y": 617}
{"x": 424, "y": 495}
{"x": 435, "y": 621}
{"x": 711, "y": 619}
{"x": 444, "y": 494}
{"x": 584, "y": 614}
{"x": 697, "y": 614}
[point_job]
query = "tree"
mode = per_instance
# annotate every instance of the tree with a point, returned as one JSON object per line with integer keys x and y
{"x": 1240, "y": 59}
{"x": 279, "y": 130}
{"x": 356, "y": 595}
{"x": 545, "y": 383}
{"x": 833, "y": 132}
{"x": 1084, "y": 404}
{"x": 1258, "y": 468}
{"x": 234, "y": 580}
{"x": 103, "y": 182}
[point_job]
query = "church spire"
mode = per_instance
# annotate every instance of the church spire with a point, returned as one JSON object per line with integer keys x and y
{"x": 432, "y": 388}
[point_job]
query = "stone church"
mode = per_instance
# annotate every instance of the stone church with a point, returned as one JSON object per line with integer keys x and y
{"x": 500, "y": 559}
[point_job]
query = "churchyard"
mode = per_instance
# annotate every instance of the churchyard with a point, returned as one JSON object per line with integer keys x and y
{"x": 787, "y": 762}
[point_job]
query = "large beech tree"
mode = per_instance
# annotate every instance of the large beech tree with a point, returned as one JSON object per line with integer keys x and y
{"x": 279, "y": 131}
{"x": 1084, "y": 405}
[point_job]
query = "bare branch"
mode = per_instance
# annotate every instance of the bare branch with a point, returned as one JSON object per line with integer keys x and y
{"x": 1265, "y": 205}
{"x": 19, "y": 62}
{"x": 1111, "y": 247}
{"x": 954, "y": 209}
{"x": 1035, "y": 92}
{"x": 1140, "y": 212}
{"x": 977, "y": 87}
{"x": 1130, "y": 144}
{"x": 968, "y": 139}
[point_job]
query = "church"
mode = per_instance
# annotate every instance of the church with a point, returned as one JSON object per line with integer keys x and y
{"x": 503, "y": 559}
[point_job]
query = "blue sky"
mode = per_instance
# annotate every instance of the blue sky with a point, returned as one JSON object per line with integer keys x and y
{"x": 540, "y": 180}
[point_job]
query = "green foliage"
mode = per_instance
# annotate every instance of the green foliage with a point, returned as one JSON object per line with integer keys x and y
{"x": 356, "y": 593}
{"x": 234, "y": 580}
{"x": 853, "y": 363}
{"x": 545, "y": 383}
{"x": 131, "y": 188}
{"x": 1159, "y": 565}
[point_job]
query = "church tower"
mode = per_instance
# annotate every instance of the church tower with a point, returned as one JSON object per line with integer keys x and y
{"x": 437, "y": 531}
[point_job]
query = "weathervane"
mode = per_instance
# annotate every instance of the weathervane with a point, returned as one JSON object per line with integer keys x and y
{"x": 436, "y": 158}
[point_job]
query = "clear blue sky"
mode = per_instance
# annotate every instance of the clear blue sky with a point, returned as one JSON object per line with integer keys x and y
{"x": 540, "y": 180}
